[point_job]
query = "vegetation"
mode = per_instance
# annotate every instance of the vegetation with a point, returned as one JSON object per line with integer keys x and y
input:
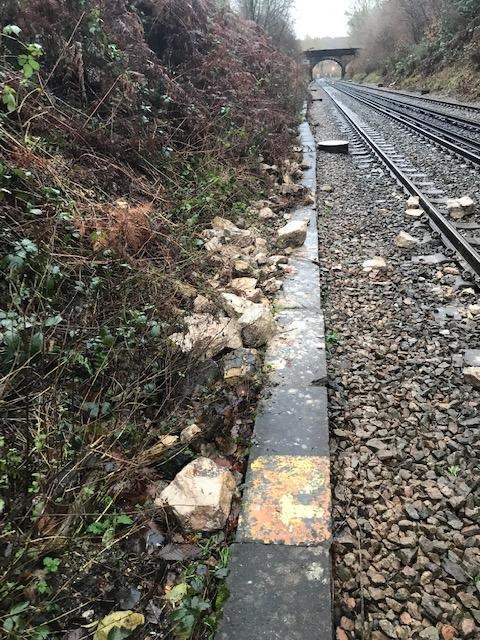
{"x": 126, "y": 126}
{"x": 434, "y": 43}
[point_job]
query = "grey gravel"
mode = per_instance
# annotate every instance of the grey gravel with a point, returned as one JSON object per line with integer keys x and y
{"x": 404, "y": 425}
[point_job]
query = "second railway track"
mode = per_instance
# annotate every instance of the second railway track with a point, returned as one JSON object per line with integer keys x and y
{"x": 432, "y": 200}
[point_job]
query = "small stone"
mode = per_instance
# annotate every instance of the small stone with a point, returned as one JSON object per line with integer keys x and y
{"x": 388, "y": 629}
{"x": 468, "y": 627}
{"x": 471, "y": 376}
{"x": 242, "y": 266}
{"x": 200, "y": 495}
{"x": 414, "y": 213}
{"x": 406, "y": 618}
{"x": 202, "y": 304}
{"x": 431, "y": 610}
{"x": 413, "y": 202}
{"x": 326, "y": 188}
{"x": 405, "y": 241}
{"x": 272, "y": 285}
{"x": 455, "y": 209}
{"x": 240, "y": 364}
{"x": 293, "y": 234}
{"x": 447, "y": 632}
{"x": 411, "y": 512}
{"x": 347, "y": 623}
{"x": 266, "y": 213}
{"x": 243, "y": 285}
{"x": 467, "y": 204}
{"x": 434, "y": 493}
{"x": 429, "y": 633}
{"x": 455, "y": 570}
{"x": 189, "y": 433}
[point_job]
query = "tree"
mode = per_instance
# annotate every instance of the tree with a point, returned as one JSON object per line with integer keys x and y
{"x": 273, "y": 16}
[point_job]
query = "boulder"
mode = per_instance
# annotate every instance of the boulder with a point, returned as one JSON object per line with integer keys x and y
{"x": 413, "y": 202}
{"x": 257, "y": 324}
{"x": 293, "y": 234}
{"x": 243, "y": 267}
{"x": 240, "y": 364}
{"x": 200, "y": 496}
{"x": 374, "y": 263}
{"x": 208, "y": 336}
{"x": 471, "y": 376}
{"x": 405, "y": 241}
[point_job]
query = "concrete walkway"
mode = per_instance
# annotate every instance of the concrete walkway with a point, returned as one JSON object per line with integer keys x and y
{"x": 279, "y": 582}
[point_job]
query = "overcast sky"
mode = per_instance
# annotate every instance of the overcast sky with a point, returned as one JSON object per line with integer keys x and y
{"x": 321, "y": 17}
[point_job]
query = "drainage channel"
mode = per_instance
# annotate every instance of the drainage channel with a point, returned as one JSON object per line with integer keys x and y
{"x": 280, "y": 575}
{"x": 404, "y": 173}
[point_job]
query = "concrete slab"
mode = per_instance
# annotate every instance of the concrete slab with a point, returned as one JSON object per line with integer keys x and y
{"x": 280, "y": 572}
{"x": 278, "y": 593}
{"x": 292, "y": 422}
{"x": 296, "y": 356}
{"x": 287, "y": 501}
{"x": 471, "y": 358}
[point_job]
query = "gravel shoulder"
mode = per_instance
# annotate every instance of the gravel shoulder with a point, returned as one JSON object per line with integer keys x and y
{"x": 404, "y": 425}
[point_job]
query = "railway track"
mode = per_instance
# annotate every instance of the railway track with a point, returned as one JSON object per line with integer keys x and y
{"x": 427, "y": 99}
{"x": 459, "y": 135}
{"x": 366, "y": 140}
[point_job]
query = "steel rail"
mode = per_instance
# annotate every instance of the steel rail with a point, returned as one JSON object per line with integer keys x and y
{"x": 410, "y": 121}
{"x": 464, "y": 123}
{"x": 450, "y": 235}
{"x": 443, "y": 103}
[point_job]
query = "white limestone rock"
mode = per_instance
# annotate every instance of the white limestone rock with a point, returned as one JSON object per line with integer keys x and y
{"x": 257, "y": 324}
{"x": 200, "y": 496}
{"x": 243, "y": 285}
{"x": 413, "y": 202}
{"x": 414, "y": 213}
{"x": 190, "y": 433}
{"x": 207, "y": 336}
{"x": 467, "y": 204}
{"x": 374, "y": 263}
{"x": 405, "y": 241}
{"x": 293, "y": 234}
{"x": 455, "y": 209}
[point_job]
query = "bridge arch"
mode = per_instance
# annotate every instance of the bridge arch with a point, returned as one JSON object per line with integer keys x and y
{"x": 341, "y": 56}
{"x": 328, "y": 61}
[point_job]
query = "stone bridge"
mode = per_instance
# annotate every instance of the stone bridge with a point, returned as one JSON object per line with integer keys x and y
{"x": 340, "y": 56}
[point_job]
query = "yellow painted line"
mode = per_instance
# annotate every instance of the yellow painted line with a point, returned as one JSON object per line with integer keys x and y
{"x": 288, "y": 501}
